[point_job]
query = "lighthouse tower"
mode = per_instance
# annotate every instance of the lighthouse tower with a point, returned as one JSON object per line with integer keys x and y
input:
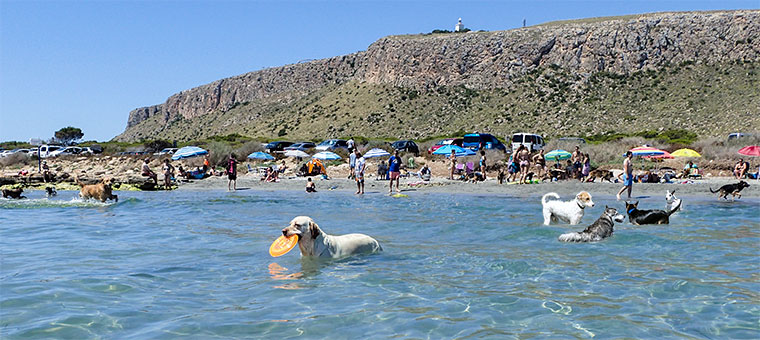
{"x": 459, "y": 27}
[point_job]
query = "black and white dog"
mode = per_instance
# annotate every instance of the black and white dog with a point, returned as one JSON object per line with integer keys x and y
{"x": 599, "y": 230}
{"x": 50, "y": 191}
{"x": 672, "y": 203}
{"x": 639, "y": 217}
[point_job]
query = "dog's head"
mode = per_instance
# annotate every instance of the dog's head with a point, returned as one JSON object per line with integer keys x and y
{"x": 584, "y": 200}
{"x": 304, "y": 227}
{"x": 670, "y": 196}
{"x": 743, "y": 184}
{"x": 630, "y": 207}
{"x": 613, "y": 214}
{"x": 107, "y": 181}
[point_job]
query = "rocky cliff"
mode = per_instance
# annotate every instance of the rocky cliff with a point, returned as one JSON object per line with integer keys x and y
{"x": 507, "y": 64}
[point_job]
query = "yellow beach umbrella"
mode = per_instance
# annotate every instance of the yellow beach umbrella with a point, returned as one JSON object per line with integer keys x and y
{"x": 685, "y": 153}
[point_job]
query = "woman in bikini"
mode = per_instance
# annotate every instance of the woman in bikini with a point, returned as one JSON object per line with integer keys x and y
{"x": 453, "y": 159}
{"x": 523, "y": 156}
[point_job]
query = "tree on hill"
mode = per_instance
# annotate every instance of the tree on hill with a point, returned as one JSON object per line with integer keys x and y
{"x": 68, "y": 135}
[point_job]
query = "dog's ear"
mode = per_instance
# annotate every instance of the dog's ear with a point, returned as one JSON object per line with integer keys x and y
{"x": 636, "y": 204}
{"x": 606, "y": 207}
{"x": 313, "y": 229}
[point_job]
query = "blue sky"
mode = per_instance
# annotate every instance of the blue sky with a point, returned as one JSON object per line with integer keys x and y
{"x": 88, "y": 63}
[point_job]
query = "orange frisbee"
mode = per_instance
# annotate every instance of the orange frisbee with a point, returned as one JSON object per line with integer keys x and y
{"x": 282, "y": 245}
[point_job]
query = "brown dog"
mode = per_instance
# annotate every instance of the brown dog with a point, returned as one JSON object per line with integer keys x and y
{"x": 599, "y": 173}
{"x": 101, "y": 191}
{"x": 13, "y": 193}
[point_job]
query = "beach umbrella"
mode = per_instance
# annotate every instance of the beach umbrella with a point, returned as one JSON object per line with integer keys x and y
{"x": 260, "y": 155}
{"x": 376, "y": 152}
{"x": 665, "y": 155}
{"x": 557, "y": 155}
{"x": 646, "y": 151}
{"x": 187, "y": 152}
{"x": 752, "y": 150}
{"x": 685, "y": 153}
{"x": 458, "y": 151}
{"x": 296, "y": 153}
{"x": 326, "y": 156}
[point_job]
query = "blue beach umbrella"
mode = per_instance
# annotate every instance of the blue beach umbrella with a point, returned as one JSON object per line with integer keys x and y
{"x": 187, "y": 152}
{"x": 326, "y": 156}
{"x": 376, "y": 152}
{"x": 557, "y": 155}
{"x": 458, "y": 151}
{"x": 260, "y": 155}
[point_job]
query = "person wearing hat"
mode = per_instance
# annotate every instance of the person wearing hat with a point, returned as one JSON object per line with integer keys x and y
{"x": 46, "y": 176}
{"x": 147, "y": 172}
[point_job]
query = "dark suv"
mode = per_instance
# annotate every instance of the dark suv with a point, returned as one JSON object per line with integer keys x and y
{"x": 407, "y": 146}
{"x": 476, "y": 141}
{"x": 278, "y": 146}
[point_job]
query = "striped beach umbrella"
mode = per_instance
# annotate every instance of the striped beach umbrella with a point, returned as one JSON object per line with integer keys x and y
{"x": 685, "y": 153}
{"x": 458, "y": 151}
{"x": 376, "y": 152}
{"x": 557, "y": 155}
{"x": 646, "y": 151}
{"x": 260, "y": 155}
{"x": 187, "y": 152}
{"x": 326, "y": 156}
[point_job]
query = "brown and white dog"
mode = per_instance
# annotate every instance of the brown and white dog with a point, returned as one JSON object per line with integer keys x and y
{"x": 312, "y": 241}
{"x": 101, "y": 191}
{"x": 605, "y": 175}
{"x": 569, "y": 212}
{"x": 13, "y": 193}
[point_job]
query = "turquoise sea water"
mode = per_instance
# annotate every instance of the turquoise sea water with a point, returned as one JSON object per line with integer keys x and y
{"x": 194, "y": 264}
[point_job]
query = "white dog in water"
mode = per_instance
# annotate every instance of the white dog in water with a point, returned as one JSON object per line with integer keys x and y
{"x": 570, "y": 211}
{"x": 312, "y": 241}
{"x": 671, "y": 201}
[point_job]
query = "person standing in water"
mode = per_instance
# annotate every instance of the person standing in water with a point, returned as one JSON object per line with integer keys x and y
{"x": 361, "y": 164}
{"x": 627, "y": 175}
{"x": 232, "y": 173}
{"x": 394, "y": 167}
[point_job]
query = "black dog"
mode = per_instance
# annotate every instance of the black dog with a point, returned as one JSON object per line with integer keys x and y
{"x": 639, "y": 217}
{"x": 13, "y": 193}
{"x": 599, "y": 230}
{"x": 733, "y": 189}
{"x": 51, "y": 191}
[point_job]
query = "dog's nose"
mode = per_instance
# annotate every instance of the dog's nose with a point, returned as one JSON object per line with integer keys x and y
{"x": 285, "y": 232}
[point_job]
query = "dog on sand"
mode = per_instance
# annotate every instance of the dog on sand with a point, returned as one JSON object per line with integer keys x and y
{"x": 312, "y": 241}
{"x": 569, "y": 212}
{"x": 101, "y": 191}
{"x": 13, "y": 193}
{"x": 639, "y": 217}
{"x": 597, "y": 231}
{"x": 733, "y": 189}
{"x": 605, "y": 175}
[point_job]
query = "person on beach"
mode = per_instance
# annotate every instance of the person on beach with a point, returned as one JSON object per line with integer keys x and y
{"x": 350, "y": 144}
{"x": 540, "y": 161}
{"x": 512, "y": 168}
{"x": 168, "y": 170}
{"x": 46, "y": 176}
{"x": 352, "y": 163}
{"x": 586, "y": 167}
{"x": 310, "y": 186}
{"x": 425, "y": 173}
{"x": 523, "y": 156}
{"x": 147, "y": 172}
{"x": 382, "y": 171}
{"x": 206, "y": 164}
{"x": 453, "y": 163}
{"x": 577, "y": 159}
{"x": 361, "y": 165}
{"x": 232, "y": 173}
{"x": 740, "y": 169}
{"x": 483, "y": 163}
{"x": 627, "y": 175}
{"x": 394, "y": 167}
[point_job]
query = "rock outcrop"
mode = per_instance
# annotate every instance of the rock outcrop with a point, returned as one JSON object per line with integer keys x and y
{"x": 478, "y": 61}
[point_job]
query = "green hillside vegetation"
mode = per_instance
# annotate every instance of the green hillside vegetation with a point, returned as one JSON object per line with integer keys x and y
{"x": 706, "y": 100}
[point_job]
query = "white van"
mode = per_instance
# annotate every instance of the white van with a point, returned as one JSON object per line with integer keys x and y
{"x": 45, "y": 150}
{"x": 531, "y": 141}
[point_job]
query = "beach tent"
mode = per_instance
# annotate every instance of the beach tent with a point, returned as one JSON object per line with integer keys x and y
{"x": 557, "y": 155}
{"x": 315, "y": 163}
{"x": 260, "y": 155}
{"x": 187, "y": 152}
{"x": 685, "y": 153}
{"x": 326, "y": 156}
{"x": 376, "y": 152}
{"x": 458, "y": 151}
{"x": 296, "y": 153}
{"x": 752, "y": 150}
{"x": 646, "y": 151}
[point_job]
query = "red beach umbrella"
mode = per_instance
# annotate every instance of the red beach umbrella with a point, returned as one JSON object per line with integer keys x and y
{"x": 665, "y": 155}
{"x": 752, "y": 150}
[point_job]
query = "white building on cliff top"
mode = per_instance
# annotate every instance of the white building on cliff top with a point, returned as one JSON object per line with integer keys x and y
{"x": 459, "y": 26}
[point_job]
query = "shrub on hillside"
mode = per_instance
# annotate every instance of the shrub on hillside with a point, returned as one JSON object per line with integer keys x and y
{"x": 219, "y": 152}
{"x": 18, "y": 158}
{"x": 248, "y": 148}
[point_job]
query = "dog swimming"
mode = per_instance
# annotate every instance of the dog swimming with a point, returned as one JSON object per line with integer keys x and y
{"x": 599, "y": 230}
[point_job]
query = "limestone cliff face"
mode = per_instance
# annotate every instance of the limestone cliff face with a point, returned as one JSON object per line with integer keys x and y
{"x": 481, "y": 60}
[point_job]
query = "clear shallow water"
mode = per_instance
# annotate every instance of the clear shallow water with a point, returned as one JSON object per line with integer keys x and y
{"x": 195, "y": 264}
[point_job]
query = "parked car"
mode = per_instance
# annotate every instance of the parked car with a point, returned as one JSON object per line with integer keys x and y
{"x": 166, "y": 151}
{"x": 406, "y": 146}
{"x": 332, "y": 145}
{"x": 277, "y": 146}
{"x": 531, "y": 141}
{"x": 45, "y": 150}
{"x": 303, "y": 146}
{"x": 132, "y": 153}
{"x": 67, "y": 151}
{"x": 447, "y": 141}
{"x": 737, "y": 135}
{"x": 14, "y": 151}
{"x": 476, "y": 141}
{"x": 576, "y": 140}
